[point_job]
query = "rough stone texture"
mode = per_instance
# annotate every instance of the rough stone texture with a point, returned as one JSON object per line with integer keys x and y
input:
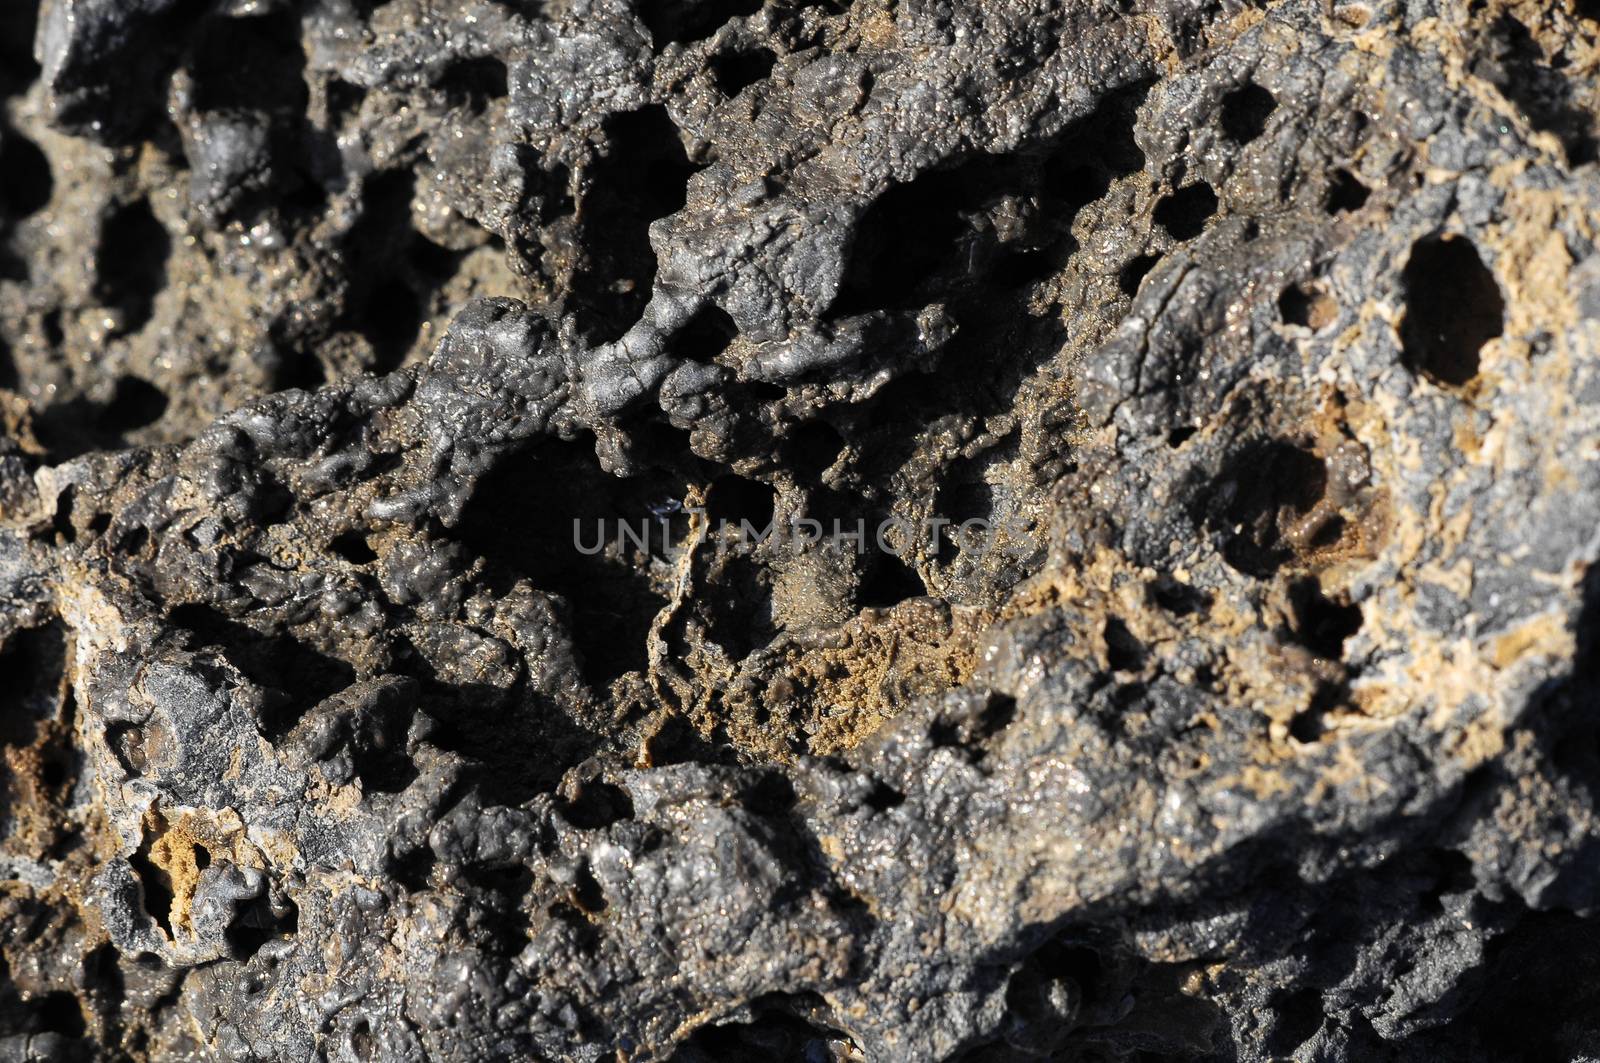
{"x": 1269, "y": 331}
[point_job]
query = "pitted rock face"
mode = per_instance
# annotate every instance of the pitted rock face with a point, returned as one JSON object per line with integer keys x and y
{"x": 868, "y": 530}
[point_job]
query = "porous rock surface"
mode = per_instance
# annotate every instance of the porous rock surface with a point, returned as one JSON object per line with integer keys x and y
{"x": 1267, "y": 331}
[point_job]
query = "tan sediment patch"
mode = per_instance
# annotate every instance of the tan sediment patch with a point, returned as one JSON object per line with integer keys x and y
{"x": 179, "y": 844}
{"x": 1544, "y": 634}
{"x": 917, "y": 648}
{"x": 827, "y": 694}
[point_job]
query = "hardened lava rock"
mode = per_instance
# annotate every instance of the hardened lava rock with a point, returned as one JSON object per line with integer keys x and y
{"x": 394, "y": 395}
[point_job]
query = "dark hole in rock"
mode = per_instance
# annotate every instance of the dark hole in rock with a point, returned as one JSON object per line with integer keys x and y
{"x": 707, "y": 335}
{"x": 156, "y": 887}
{"x": 1184, "y": 213}
{"x": 740, "y": 619}
{"x": 54, "y": 771}
{"x": 736, "y": 71}
{"x": 657, "y": 444}
{"x": 739, "y": 501}
{"x": 382, "y": 305}
{"x": 343, "y": 99}
{"x": 959, "y": 502}
{"x": 362, "y": 1043}
{"x": 353, "y": 547}
{"x": 1312, "y": 722}
{"x": 32, "y": 661}
{"x": 253, "y": 63}
{"x": 500, "y": 891}
{"x": 384, "y": 767}
{"x": 18, "y": 26}
{"x": 933, "y": 237}
{"x": 772, "y": 794}
{"x": 1545, "y": 966}
{"x": 1074, "y": 185}
{"x": 432, "y": 262}
{"x": 1263, "y": 485}
{"x": 1453, "y": 308}
{"x": 1081, "y": 964}
{"x": 782, "y": 1028}
{"x": 131, "y": 262}
{"x": 690, "y": 20}
{"x": 1328, "y": 534}
{"x": 131, "y": 542}
{"x": 1179, "y": 599}
{"x": 475, "y": 82}
{"x": 202, "y": 857}
{"x": 383, "y": 234}
{"x": 391, "y": 320}
{"x": 945, "y": 734}
{"x": 553, "y": 515}
{"x": 1346, "y": 193}
{"x": 1127, "y": 699}
{"x": 1134, "y": 273}
{"x": 1308, "y": 305}
{"x": 679, "y": 743}
{"x": 1245, "y": 111}
{"x": 565, "y": 913}
{"x": 295, "y": 674}
{"x": 642, "y": 176}
{"x": 1322, "y": 624}
{"x": 586, "y": 891}
{"x": 135, "y": 404}
{"x": 1180, "y": 435}
{"x": 102, "y": 974}
{"x": 414, "y": 869}
{"x": 967, "y": 499}
{"x": 59, "y": 1012}
{"x": 1106, "y": 136}
{"x": 811, "y": 447}
{"x": 1297, "y": 1017}
{"x": 998, "y": 714}
{"x": 256, "y": 924}
{"x": 760, "y": 391}
{"x": 1124, "y": 652}
{"x": 61, "y": 520}
{"x": 1451, "y": 872}
{"x": 127, "y": 742}
{"x": 906, "y": 244}
{"x": 553, "y": 180}
{"x": 69, "y": 840}
{"x": 883, "y": 797}
{"x": 1515, "y": 62}
{"x": 25, "y": 181}
{"x": 303, "y": 370}
{"x": 1018, "y": 269}
{"x": 952, "y": 538}
{"x": 12, "y": 265}
{"x": 889, "y": 580}
{"x": 597, "y": 805}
